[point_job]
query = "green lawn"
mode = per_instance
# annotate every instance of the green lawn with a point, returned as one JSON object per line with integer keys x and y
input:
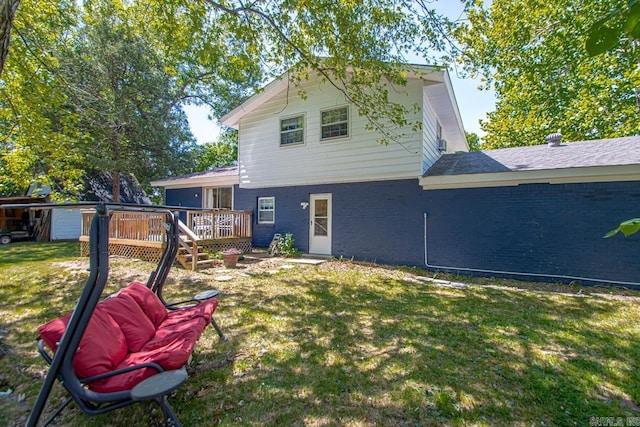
{"x": 348, "y": 344}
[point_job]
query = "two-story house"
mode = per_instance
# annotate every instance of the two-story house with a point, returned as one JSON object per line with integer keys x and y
{"x": 309, "y": 166}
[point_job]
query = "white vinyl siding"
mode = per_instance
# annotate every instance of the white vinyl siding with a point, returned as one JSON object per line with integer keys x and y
{"x": 359, "y": 158}
{"x": 266, "y": 210}
{"x": 292, "y": 130}
{"x": 430, "y": 151}
{"x": 334, "y": 123}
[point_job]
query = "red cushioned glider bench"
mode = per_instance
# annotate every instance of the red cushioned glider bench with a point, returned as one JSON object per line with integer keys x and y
{"x": 131, "y": 346}
{"x": 129, "y": 329}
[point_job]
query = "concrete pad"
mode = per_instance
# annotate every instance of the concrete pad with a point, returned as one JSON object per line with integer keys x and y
{"x": 310, "y": 261}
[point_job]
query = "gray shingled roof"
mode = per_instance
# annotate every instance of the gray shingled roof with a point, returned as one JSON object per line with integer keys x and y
{"x": 212, "y": 173}
{"x": 602, "y": 152}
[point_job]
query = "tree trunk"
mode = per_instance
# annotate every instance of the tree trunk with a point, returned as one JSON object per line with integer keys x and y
{"x": 115, "y": 189}
{"x": 7, "y": 15}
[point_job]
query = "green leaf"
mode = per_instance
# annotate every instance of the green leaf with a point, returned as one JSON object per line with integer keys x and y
{"x": 602, "y": 38}
{"x": 632, "y": 23}
{"x": 627, "y": 228}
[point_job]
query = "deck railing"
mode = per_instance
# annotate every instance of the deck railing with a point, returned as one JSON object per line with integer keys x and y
{"x": 141, "y": 226}
{"x": 146, "y": 226}
{"x": 219, "y": 224}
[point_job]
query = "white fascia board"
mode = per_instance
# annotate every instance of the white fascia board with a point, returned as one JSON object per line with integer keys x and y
{"x": 545, "y": 176}
{"x": 222, "y": 181}
{"x": 318, "y": 181}
{"x": 232, "y": 118}
{"x": 442, "y": 99}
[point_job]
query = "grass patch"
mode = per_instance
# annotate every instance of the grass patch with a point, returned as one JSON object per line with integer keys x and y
{"x": 348, "y": 344}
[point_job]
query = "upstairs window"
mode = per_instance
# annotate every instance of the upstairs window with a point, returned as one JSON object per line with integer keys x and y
{"x": 335, "y": 123}
{"x": 266, "y": 210}
{"x": 292, "y": 130}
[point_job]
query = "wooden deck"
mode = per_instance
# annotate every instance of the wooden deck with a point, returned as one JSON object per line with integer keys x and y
{"x": 142, "y": 235}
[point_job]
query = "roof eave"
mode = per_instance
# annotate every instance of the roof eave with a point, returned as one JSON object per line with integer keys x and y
{"x": 542, "y": 176}
{"x": 224, "y": 180}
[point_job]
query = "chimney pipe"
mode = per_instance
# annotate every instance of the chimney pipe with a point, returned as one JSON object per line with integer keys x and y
{"x": 554, "y": 139}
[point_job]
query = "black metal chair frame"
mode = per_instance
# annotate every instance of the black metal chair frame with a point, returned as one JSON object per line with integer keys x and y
{"x": 61, "y": 363}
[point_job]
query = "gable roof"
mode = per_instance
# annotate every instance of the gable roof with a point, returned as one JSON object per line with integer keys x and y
{"x": 227, "y": 175}
{"x": 437, "y": 85}
{"x": 614, "y": 159}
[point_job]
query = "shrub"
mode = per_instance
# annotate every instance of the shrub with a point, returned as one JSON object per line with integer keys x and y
{"x": 285, "y": 246}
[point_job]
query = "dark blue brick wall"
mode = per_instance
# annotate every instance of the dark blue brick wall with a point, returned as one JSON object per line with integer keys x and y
{"x": 188, "y": 197}
{"x": 539, "y": 229}
{"x": 371, "y": 221}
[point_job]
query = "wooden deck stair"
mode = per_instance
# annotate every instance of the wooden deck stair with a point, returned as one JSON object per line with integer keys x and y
{"x": 186, "y": 260}
{"x": 189, "y": 254}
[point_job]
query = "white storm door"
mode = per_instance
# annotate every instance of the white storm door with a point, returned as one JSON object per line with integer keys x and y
{"x": 320, "y": 224}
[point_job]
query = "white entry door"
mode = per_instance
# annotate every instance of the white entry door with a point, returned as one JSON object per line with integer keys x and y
{"x": 320, "y": 224}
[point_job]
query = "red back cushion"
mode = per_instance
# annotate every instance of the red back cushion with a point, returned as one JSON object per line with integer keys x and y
{"x": 101, "y": 349}
{"x": 134, "y": 323}
{"x": 147, "y": 300}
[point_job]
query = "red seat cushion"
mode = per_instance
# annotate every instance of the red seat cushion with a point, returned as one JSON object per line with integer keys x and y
{"x": 170, "y": 349}
{"x": 134, "y": 323}
{"x": 147, "y": 300}
{"x": 102, "y": 347}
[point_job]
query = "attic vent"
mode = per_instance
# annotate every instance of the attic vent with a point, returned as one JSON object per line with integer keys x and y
{"x": 554, "y": 139}
{"x": 442, "y": 144}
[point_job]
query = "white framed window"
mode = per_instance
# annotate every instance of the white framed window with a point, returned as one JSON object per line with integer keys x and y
{"x": 266, "y": 210}
{"x": 292, "y": 130}
{"x": 335, "y": 123}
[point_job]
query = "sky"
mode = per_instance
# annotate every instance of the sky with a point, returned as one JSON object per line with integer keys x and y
{"x": 473, "y": 103}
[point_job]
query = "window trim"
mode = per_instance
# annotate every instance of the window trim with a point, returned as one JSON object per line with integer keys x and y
{"x": 304, "y": 127}
{"x": 348, "y": 121}
{"x": 205, "y": 196}
{"x": 273, "y": 221}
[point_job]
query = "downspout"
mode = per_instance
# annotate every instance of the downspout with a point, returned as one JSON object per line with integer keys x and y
{"x": 511, "y": 273}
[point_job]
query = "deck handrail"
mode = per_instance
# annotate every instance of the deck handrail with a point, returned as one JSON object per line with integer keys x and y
{"x": 217, "y": 224}
{"x": 142, "y": 226}
{"x": 187, "y": 231}
{"x": 204, "y": 224}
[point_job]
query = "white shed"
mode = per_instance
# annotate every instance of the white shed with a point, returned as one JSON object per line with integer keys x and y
{"x": 66, "y": 224}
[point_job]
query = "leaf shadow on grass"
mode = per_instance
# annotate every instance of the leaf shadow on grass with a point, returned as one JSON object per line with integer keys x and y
{"x": 341, "y": 347}
{"x": 407, "y": 354}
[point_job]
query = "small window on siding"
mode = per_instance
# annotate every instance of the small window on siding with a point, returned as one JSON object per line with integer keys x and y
{"x": 335, "y": 123}
{"x": 266, "y": 210}
{"x": 292, "y": 130}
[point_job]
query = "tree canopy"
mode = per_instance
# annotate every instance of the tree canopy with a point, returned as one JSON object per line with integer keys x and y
{"x": 198, "y": 51}
{"x": 223, "y": 152}
{"x": 533, "y": 54}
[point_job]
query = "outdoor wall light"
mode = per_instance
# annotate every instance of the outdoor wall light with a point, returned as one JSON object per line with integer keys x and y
{"x": 304, "y": 205}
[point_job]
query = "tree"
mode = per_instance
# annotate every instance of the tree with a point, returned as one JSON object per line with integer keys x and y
{"x": 217, "y": 54}
{"x": 32, "y": 148}
{"x": 606, "y": 33}
{"x": 223, "y": 152}
{"x": 127, "y": 109}
{"x": 604, "y": 36}
{"x": 474, "y": 141}
{"x": 7, "y": 15}
{"x": 533, "y": 53}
